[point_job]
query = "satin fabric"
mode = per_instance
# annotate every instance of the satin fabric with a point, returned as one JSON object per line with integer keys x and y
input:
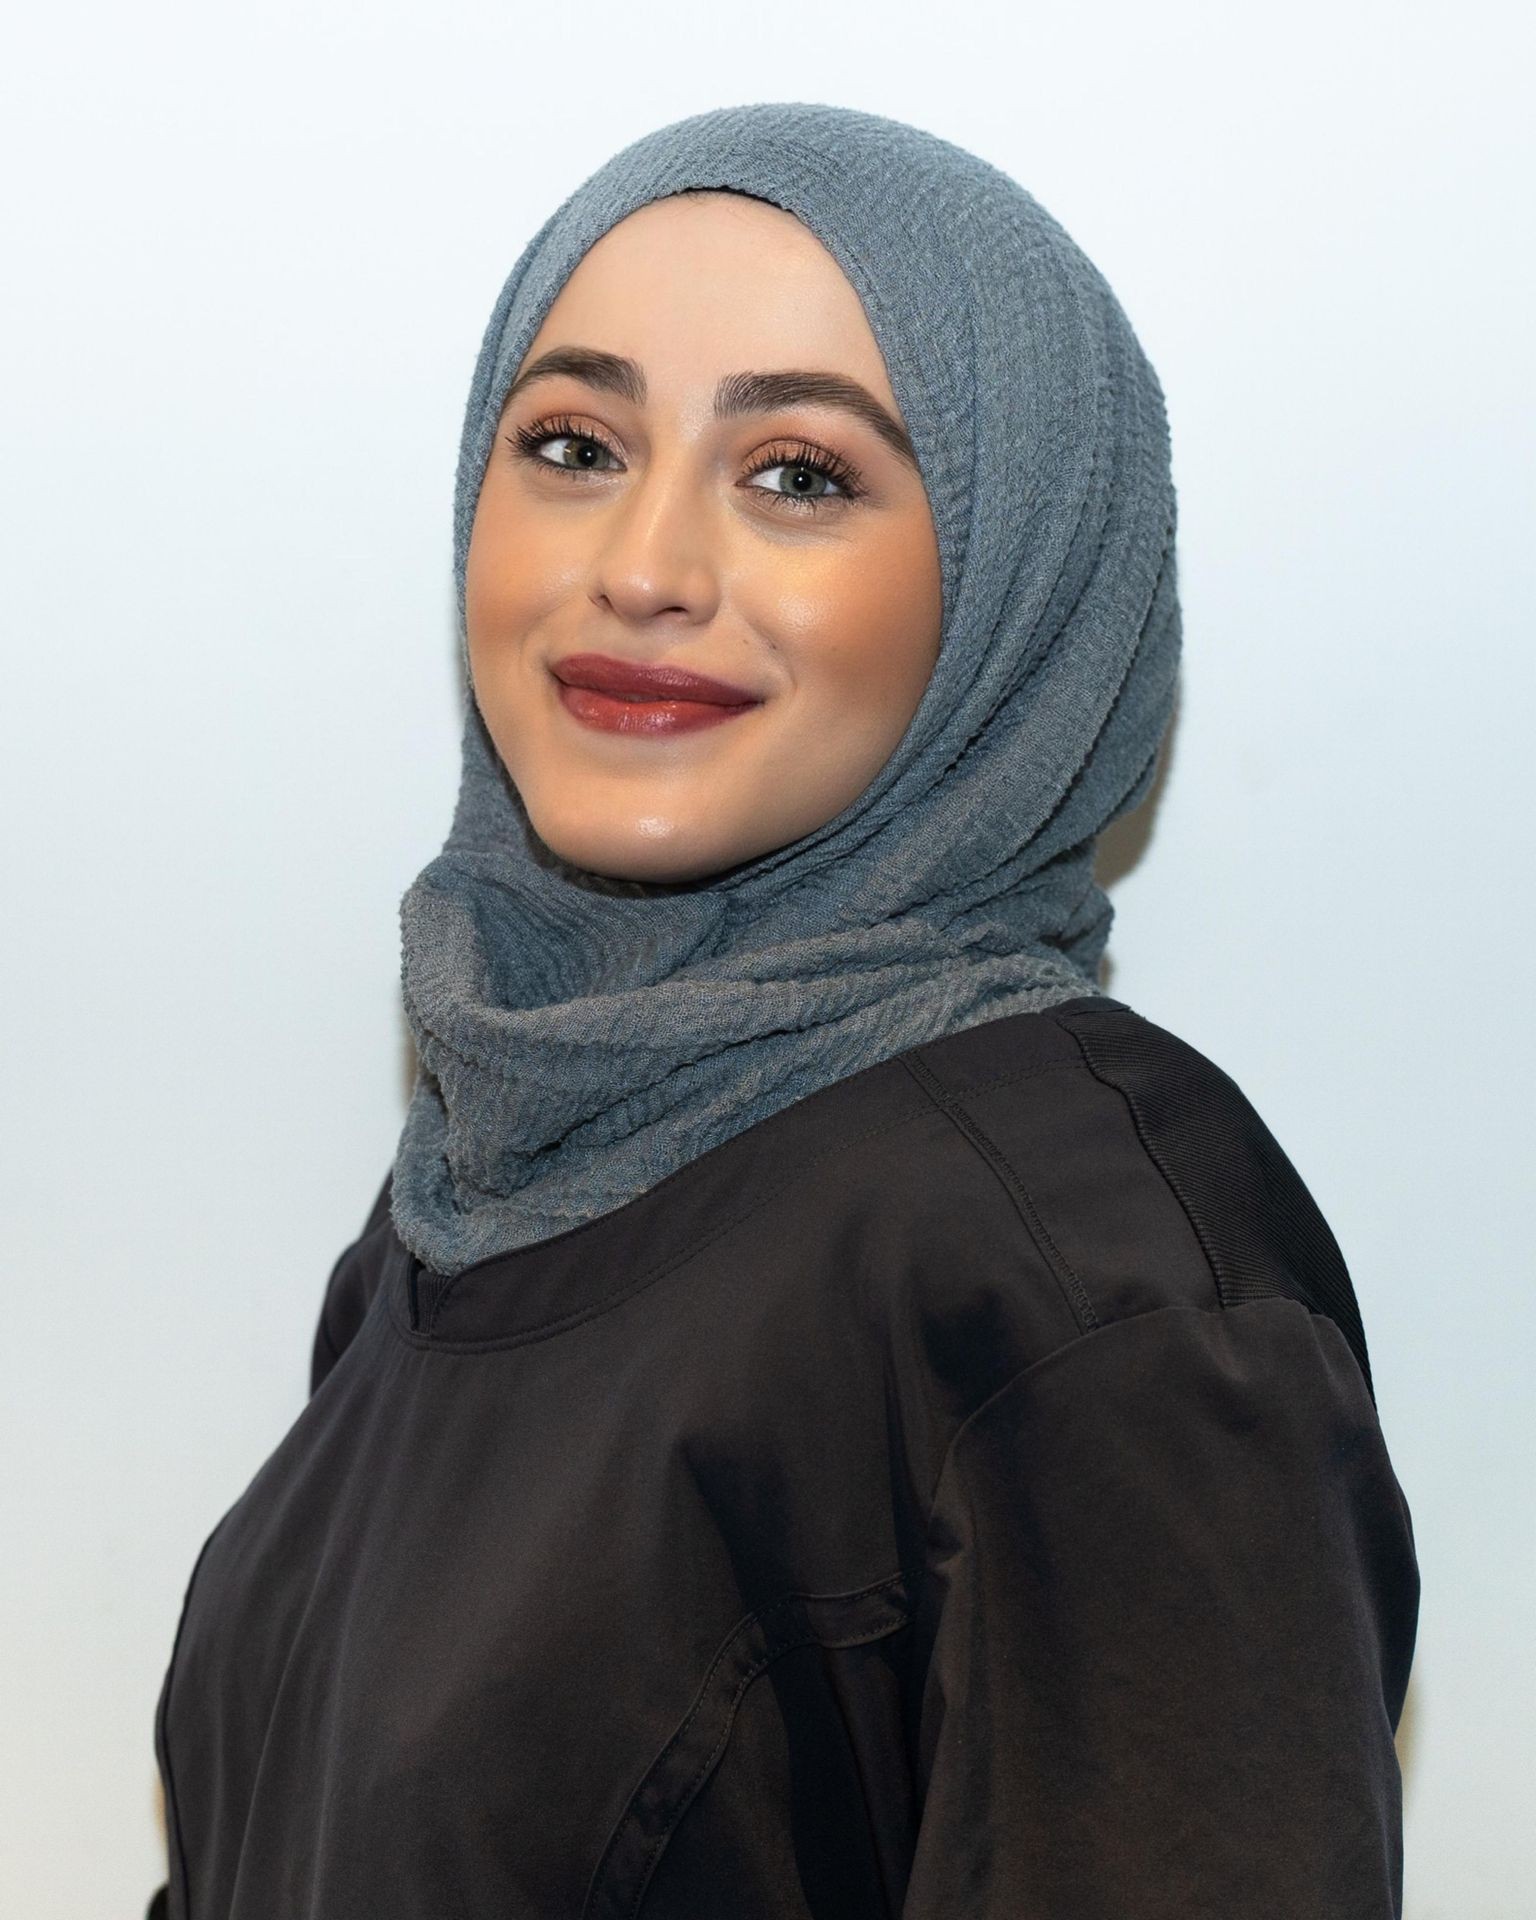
{"x": 959, "y": 1497}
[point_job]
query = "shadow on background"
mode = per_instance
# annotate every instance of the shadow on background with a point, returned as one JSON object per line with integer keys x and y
{"x": 1408, "y": 1731}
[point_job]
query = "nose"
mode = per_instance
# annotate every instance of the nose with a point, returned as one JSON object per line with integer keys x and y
{"x": 653, "y": 549}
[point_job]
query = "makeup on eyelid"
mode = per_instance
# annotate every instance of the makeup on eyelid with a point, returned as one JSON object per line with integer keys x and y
{"x": 791, "y": 455}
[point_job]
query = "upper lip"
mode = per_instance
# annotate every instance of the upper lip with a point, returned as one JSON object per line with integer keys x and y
{"x": 608, "y": 675}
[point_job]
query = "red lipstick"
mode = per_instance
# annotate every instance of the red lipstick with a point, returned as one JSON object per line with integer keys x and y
{"x": 630, "y": 696}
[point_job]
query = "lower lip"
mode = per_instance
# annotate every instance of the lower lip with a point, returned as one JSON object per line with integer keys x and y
{"x": 612, "y": 715}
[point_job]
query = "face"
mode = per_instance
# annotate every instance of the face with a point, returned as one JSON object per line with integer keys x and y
{"x": 700, "y": 470}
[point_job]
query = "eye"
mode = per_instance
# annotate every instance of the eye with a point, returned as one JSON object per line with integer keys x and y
{"x": 809, "y": 472}
{"x": 811, "y": 479}
{"x": 583, "y": 452}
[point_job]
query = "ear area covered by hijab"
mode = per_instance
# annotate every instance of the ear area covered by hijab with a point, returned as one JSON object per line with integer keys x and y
{"x": 580, "y": 1039}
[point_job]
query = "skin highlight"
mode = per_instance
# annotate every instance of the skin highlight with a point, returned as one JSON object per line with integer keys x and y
{"x": 644, "y": 501}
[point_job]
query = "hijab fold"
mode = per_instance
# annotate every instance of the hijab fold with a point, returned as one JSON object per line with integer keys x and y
{"x": 579, "y": 1038}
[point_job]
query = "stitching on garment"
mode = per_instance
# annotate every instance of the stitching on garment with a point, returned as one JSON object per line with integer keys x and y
{"x": 1073, "y": 1290}
{"x": 1012, "y": 1079}
{"x": 1208, "y": 1241}
{"x": 1143, "y": 1134}
{"x": 562, "y": 1323}
{"x": 1058, "y": 1354}
{"x": 548, "y": 1328}
{"x": 799, "y": 1629}
{"x": 772, "y": 1650}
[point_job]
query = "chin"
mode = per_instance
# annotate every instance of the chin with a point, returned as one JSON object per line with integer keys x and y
{"x": 632, "y": 857}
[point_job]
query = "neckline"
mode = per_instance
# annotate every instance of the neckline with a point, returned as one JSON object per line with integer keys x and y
{"x": 553, "y": 1285}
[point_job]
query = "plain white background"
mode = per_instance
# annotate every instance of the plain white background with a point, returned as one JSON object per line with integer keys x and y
{"x": 249, "y": 254}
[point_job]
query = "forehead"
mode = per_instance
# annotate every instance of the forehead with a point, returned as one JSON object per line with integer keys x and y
{"x": 697, "y": 285}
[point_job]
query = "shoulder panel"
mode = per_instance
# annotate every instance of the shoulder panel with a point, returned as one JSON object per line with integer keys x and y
{"x": 1261, "y": 1230}
{"x": 1094, "y": 1205}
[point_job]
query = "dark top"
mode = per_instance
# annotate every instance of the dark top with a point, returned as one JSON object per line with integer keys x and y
{"x": 958, "y": 1496}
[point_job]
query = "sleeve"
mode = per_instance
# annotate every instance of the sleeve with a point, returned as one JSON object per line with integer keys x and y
{"x": 1171, "y": 1609}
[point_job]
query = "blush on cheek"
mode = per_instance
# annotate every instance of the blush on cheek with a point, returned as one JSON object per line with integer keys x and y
{"x": 881, "y": 651}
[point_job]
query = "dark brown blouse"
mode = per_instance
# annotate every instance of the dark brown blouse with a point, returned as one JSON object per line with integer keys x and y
{"x": 959, "y": 1496}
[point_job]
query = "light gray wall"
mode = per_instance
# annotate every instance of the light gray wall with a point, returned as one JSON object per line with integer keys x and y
{"x": 250, "y": 252}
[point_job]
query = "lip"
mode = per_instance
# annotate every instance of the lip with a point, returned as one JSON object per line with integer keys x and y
{"x": 602, "y": 673}
{"x": 670, "y": 700}
{"x": 609, "y": 713}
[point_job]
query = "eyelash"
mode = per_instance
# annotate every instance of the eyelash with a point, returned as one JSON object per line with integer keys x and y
{"x": 526, "y": 441}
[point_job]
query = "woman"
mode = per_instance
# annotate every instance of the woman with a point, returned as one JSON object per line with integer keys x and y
{"x": 831, "y": 1414}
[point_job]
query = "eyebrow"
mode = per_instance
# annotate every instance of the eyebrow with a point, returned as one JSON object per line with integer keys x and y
{"x": 737, "y": 393}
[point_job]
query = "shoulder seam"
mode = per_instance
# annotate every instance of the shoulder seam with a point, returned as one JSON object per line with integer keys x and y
{"x": 1138, "y": 1120}
{"x": 1332, "y": 1294}
{"x": 1072, "y": 1288}
{"x": 1043, "y": 1361}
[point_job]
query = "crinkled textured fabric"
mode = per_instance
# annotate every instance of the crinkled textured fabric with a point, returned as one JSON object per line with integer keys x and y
{"x": 581, "y": 1038}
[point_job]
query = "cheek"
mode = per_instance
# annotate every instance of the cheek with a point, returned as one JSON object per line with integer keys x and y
{"x": 514, "y": 574}
{"x": 864, "y": 625}
{"x": 505, "y": 590}
{"x": 511, "y": 589}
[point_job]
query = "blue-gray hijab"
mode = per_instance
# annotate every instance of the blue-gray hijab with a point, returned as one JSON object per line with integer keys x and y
{"x": 578, "y": 1038}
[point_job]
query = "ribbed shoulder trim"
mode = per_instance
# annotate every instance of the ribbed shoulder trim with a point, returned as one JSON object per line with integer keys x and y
{"x": 1261, "y": 1230}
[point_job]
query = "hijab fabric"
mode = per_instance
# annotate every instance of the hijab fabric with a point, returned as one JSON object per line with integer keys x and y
{"x": 579, "y": 1037}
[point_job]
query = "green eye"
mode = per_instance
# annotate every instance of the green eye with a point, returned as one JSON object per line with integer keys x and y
{"x": 541, "y": 433}
{"x": 837, "y": 479}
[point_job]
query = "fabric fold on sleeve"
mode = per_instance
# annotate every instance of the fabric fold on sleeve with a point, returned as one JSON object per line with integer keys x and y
{"x": 1172, "y": 1602}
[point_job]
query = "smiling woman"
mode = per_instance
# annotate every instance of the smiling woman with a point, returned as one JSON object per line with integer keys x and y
{"x": 830, "y": 1416}
{"x": 672, "y": 493}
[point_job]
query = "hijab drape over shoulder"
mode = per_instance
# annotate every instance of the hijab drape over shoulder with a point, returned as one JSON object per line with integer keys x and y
{"x": 579, "y": 1038}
